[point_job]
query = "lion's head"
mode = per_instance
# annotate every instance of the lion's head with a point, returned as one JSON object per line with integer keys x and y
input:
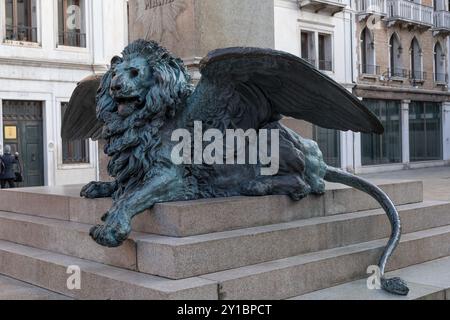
{"x": 145, "y": 82}
{"x": 142, "y": 89}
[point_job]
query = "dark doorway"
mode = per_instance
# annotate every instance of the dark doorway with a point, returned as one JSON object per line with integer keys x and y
{"x": 385, "y": 148}
{"x": 23, "y": 131}
{"x": 425, "y": 131}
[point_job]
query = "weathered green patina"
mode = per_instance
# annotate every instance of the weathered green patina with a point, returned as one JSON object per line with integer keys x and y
{"x": 147, "y": 95}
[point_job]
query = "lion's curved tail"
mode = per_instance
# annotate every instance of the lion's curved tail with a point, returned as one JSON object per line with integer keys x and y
{"x": 394, "y": 285}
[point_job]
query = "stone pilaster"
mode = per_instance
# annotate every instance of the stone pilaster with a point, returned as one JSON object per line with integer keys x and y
{"x": 405, "y": 131}
{"x": 446, "y": 129}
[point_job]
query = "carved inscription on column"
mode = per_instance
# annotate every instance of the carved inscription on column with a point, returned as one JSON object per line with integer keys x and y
{"x": 159, "y": 18}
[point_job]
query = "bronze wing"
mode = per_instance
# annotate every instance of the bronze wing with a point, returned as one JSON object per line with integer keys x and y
{"x": 257, "y": 86}
{"x": 80, "y": 120}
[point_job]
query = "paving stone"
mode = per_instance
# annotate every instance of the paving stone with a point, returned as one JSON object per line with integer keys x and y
{"x": 357, "y": 290}
{"x": 427, "y": 281}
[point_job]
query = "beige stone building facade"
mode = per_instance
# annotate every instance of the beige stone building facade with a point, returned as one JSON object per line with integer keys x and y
{"x": 402, "y": 56}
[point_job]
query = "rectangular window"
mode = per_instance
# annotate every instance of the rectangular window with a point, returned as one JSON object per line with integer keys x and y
{"x": 425, "y": 131}
{"x": 71, "y": 23}
{"x": 439, "y": 5}
{"x": 386, "y": 148}
{"x": 308, "y": 47}
{"x": 77, "y": 151}
{"x": 329, "y": 142}
{"x": 21, "y": 20}
{"x": 325, "y": 52}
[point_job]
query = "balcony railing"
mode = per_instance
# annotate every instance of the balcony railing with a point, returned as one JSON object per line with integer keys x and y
{"x": 325, "y": 65}
{"x": 310, "y": 61}
{"x": 418, "y": 75}
{"x": 369, "y": 69}
{"x": 330, "y": 6}
{"x": 410, "y": 12}
{"x": 442, "y": 21}
{"x": 370, "y": 7}
{"x": 72, "y": 39}
{"x": 441, "y": 78}
{"x": 21, "y": 33}
{"x": 398, "y": 73}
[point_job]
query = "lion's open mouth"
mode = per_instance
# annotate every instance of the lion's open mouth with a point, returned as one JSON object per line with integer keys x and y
{"x": 126, "y": 100}
{"x": 127, "y": 105}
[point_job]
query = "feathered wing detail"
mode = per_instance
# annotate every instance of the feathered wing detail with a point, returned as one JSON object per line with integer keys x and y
{"x": 268, "y": 83}
{"x": 80, "y": 120}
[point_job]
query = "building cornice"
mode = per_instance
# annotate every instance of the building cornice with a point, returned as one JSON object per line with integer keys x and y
{"x": 394, "y": 93}
{"x": 52, "y": 64}
{"x": 290, "y": 4}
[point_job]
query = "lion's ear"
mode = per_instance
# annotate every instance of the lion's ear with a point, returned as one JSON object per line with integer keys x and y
{"x": 115, "y": 61}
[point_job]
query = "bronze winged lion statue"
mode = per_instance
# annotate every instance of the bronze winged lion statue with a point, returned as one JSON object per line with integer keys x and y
{"x": 147, "y": 94}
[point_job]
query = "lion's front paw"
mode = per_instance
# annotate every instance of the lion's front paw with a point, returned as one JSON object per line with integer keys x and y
{"x": 96, "y": 189}
{"x": 113, "y": 233}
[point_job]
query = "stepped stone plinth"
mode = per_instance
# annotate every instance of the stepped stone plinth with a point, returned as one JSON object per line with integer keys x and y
{"x": 181, "y": 219}
{"x": 235, "y": 248}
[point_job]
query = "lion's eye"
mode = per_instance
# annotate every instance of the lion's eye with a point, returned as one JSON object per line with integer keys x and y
{"x": 113, "y": 74}
{"x": 134, "y": 73}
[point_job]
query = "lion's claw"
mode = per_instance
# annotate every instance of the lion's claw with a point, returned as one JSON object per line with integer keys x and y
{"x": 114, "y": 232}
{"x": 108, "y": 236}
{"x": 96, "y": 189}
{"x": 105, "y": 217}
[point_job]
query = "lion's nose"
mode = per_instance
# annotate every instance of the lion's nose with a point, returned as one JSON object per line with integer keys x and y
{"x": 116, "y": 84}
{"x": 116, "y": 87}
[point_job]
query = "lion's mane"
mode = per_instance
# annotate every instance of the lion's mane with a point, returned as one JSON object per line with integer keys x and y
{"x": 133, "y": 143}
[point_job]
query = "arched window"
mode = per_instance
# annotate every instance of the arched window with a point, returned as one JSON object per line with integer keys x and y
{"x": 416, "y": 60}
{"x": 395, "y": 57}
{"x": 439, "y": 64}
{"x": 367, "y": 52}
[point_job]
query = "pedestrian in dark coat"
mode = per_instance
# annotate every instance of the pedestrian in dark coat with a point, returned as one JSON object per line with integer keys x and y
{"x": 8, "y": 176}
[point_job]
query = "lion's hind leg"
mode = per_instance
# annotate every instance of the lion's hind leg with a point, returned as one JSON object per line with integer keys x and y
{"x": 301, "y": 155}
{"x": 292, "y": 185}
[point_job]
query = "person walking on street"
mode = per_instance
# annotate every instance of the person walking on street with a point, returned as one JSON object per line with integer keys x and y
{"x": 8, "y": 176}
